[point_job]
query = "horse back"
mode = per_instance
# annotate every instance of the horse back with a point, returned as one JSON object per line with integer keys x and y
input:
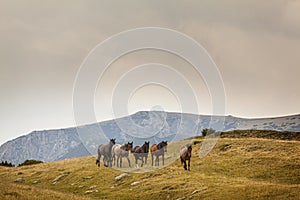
{"x": 153, "y": 148}
{"x": 135, "y": 149}
{"x": 116, "y": 146}
{"x": 100, "y": 148}
{"x": 183, "y": 151}
{"x": 113, "y": 148}
{"x": 116, "y": 149}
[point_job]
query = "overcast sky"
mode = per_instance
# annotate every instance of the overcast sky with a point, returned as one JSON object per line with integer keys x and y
{"x": 254, "y": 43}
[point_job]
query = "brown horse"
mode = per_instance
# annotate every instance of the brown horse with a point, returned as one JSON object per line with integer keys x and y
{"x": 140, "y": 153}
{"x": 185, "y": 155}
{"x": 121, "y": 151}
{"x": 159, "y": 150}
{"x": 105, "y": 150}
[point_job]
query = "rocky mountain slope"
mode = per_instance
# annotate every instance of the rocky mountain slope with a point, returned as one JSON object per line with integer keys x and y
{"x": 154, "y": 126}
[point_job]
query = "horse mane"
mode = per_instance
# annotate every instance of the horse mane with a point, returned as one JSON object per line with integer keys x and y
{"x": 123, "y": 146}
{"x": 161, "y": 144}
{"x": 112, "y": 141}
{"x": 126, "y": 146}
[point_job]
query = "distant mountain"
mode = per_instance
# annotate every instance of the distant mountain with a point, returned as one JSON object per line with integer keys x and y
{"x": 153, "y": 126}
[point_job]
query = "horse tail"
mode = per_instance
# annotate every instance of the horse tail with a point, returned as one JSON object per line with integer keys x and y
{"x": 113, "y": 154}
{"x": 98, "y": 159}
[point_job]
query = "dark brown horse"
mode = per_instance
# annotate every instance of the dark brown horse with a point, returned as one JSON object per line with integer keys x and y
{"x": 121, "y": 151}
{"x": 105, "y": 151}
{"x": 185, "y": 155}
{"x": 159, "y": 150}
{"x": 140, "y": 153}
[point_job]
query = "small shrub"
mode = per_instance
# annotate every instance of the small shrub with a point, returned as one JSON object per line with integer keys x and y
{"x": 207, "y": 131}
{"x": 196, "y": 142}
{"x": 6, "y": 164}
{"x": 30, "y": 162}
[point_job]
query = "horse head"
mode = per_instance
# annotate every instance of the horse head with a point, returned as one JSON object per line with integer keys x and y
{"x": 163, "y": 145}
{"x": 113, "y": 141}
{"x": 129, "y": 146}
{"x": 147, "y": 144}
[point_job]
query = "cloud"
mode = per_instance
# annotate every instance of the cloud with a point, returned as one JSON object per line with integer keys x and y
{"x": 254, "y": 43}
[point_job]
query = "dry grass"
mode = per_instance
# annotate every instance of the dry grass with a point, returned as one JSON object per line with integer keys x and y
{"x": 237, "y": 168}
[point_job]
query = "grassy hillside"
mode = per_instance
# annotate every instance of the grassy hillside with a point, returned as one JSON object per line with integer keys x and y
{"x": 237, "y": 168}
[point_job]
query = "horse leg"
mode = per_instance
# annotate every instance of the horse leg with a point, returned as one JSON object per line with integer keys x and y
{"x": 163, "y": 159}
{"x": 157, "y": 160}
{"x": 114, "y": 159}
{"x": 152, "y": 158}
{"x": 104, "y": 161}
{"x": 120, "y": 161}
{"x": 184, "y": 166}
{"x": 136, "y": 164}
{"x": 142, "y": 161}
{"x": 98, "y": 160}
{"x": 189, "y": 162}
{"x": 109, "y": 161}
{"x": 128, "y": 161}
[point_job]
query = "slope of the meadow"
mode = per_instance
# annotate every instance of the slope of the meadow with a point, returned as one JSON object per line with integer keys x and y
{"x": 236, "y": 168}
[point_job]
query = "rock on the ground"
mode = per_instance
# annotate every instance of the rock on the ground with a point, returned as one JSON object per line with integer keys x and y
{"x": 135, "y": 183}
{"x": 18, "y": 180}
{"x": 121, "y": 176}
{"x": 58, "y": 178}
{"x": 92, "y": 187}
{"x": 195, "y": 191}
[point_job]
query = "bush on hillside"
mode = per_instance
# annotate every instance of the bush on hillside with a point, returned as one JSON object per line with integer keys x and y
{"x": 30, "y": 162}
{"x": 207, "y": 131}
{"x": 196, "y": 142}
{"x": 6, "y": 164}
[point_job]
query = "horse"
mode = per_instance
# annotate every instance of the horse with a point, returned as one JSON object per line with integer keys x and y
{"x": 121, "y": 151}
{"x": 185, "y": 155}
{"x": 159, "y": 150}
{"x": 105, "y": 150}
{"x": 141, "y": 153}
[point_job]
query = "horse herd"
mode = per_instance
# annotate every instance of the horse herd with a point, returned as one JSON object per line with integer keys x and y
{"x": 113, "y": 153}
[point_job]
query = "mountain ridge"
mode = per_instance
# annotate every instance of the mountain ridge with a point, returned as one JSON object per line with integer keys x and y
{"x": 57, "y": 144}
